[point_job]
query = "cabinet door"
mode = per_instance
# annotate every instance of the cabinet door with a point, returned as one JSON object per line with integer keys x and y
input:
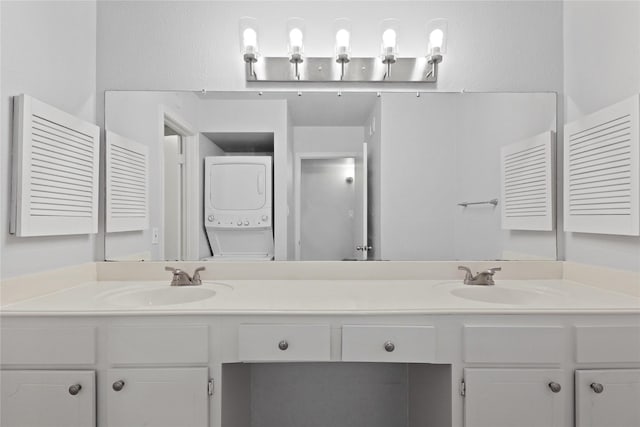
{"x": 608, "y": 398}
{"x": 157, "y": 397}
{"x": 47, "y": 398}
{"x": 513, "y": 397}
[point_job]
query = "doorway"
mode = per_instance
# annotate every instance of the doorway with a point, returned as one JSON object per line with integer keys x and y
{"x": 178, "y": 234}
{"x": 331, "y": 206}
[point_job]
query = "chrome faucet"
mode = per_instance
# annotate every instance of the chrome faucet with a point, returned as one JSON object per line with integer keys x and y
{"x": 484, "y": 278}
{"x": 182, "y": 278}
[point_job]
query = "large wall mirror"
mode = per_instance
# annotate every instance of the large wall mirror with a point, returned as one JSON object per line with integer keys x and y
{"x": 325, "y": 175}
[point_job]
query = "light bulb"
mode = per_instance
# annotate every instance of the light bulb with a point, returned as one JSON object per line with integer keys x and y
{"x": 249, "y": 39}
{"x": 436, "y": 38}
{"x": 295, "y": 37}
{"x": 389, "y": 38}
{"x": 342, "y": 39}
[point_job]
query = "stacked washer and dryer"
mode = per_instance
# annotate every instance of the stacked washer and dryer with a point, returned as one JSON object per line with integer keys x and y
{"x": 238, "y": 207}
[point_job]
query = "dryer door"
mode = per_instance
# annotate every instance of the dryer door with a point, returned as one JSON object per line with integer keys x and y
{"x": 238, "y": 186}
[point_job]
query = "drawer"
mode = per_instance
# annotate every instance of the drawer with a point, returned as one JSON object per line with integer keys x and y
{"x": 608, "y": 344}
{"x": 369, "y": 343}
{"x": 158, "y": 344}
{"x": 48, "y": 346}
{"x": 284, "y": 343}
{"x": 513, "y": 344}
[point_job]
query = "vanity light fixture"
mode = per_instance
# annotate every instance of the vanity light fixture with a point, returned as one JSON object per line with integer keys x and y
{"x": 249, "y": 43}
{"x": 389, "y": 33}
{"x": 295, "y": 43}
{"x": 349, "y": 69}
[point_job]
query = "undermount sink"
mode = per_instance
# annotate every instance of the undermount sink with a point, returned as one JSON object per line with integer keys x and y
{"x": 498, "y": 295}
{"x": 169, "y": 295}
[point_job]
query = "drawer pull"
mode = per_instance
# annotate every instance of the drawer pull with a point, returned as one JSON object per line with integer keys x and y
{"x": 118, "y": 385}
{"x": 75, "y": 389}
{"x": 597, "y": 387}
{"x": 389, "y": 346}
{"x": 283, "y": 345}
{"x": 555, "y": 387}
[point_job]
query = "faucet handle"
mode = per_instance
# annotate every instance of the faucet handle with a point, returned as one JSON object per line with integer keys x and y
{"x": 196, "y": 276}
{"x": 493, "y": 270}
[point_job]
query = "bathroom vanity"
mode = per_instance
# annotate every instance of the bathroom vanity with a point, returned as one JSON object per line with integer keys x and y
{"x": 542, "y": 350}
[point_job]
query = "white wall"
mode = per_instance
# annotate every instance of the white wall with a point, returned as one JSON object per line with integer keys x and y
{"x": 48, "y": 51}
{"x": 601, "y": 67}
{"x": 139, "y": 116}
{"x": 417, "y": 177}
{"x": 442, "y": 149}
{"x": 493, "y": 45}
{"x": 327, "y": 139}
{"x": 487, "y": 123}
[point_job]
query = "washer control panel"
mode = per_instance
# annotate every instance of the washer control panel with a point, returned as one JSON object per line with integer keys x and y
{"x": 258, "y": 220}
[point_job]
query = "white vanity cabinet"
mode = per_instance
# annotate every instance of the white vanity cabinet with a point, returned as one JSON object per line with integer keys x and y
{"x": 442, "y": 369}
{"x": 45, "y": 398}
{"x": 514, "y": 397}
{"x": 503, "y": 385}
{"x": 607, "y": 397}
{"x": 163, "y": 397}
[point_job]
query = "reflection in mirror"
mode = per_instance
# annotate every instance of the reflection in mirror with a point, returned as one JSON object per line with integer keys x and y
{"x": 353, "y": 177}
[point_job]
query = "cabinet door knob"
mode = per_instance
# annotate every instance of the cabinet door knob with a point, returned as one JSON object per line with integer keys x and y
{"x": 75, "y": 389}
{"x": 118, "y": 385}
{"x": 283, "y": 345}
{"x": 555, "y": 387}
{"x": 389, "y": 346}
{"x": 597, "y": 387}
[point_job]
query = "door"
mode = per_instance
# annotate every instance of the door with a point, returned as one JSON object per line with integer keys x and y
{"x": 361, "y": 243}
{"x": 514, "y": 397}
{"x": 47, "y": 398}
{"x": 157, "y": 397}
{"x": 608, "y": 398}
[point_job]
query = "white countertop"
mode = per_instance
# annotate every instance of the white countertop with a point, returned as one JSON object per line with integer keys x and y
{"x": 345, "y": 297}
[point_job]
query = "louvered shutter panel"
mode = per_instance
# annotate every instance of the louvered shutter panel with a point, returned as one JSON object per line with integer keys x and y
{"x": 602, "y": 171}
{"x": 127, "y": 184}
{"x": 55, "y": 171}
{"x": 528, "y": 184}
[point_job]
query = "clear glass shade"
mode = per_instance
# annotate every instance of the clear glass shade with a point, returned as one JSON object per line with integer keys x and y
{"x": 342, "y": 36}
{"x": 389, "y": 37}
{"x": 249, "y": 36}
{"x": 437, "y": 36}
{"x": 295, "y": 36}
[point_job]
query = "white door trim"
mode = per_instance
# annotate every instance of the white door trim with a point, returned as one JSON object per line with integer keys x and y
{"x": 191, "y": 167}
{"x": 296, "y": 183}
